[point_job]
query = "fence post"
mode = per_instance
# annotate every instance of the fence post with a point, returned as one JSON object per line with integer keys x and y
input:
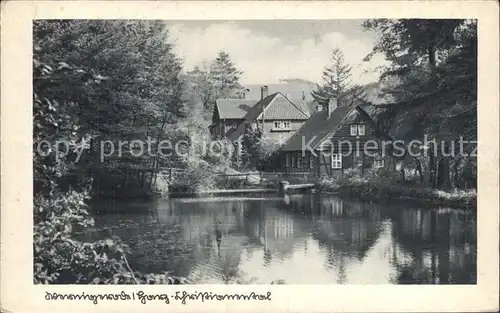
{"x": 283, "y": 188}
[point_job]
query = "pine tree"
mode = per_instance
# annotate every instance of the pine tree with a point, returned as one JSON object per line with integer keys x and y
{"x": 225, "y": 77}
{"x": 337, "y": 82}
{"x": 435, "y": 62}
{"x": 217, "y": 80}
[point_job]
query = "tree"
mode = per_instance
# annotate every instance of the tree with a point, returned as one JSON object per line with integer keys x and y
{"x": 206, "y": 83}
{"x": 142, "y": 92}
{"x": 225, "y": 76}
{"x": 200, "y": 86}
{"x": 91, "y": 79}
{"x": 337, "y": 82}
{"x": 218, "y": 79}
{"x": 435, "y": 62}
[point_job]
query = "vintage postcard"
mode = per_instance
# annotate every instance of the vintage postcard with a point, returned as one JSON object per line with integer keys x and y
{"x": 249, "y": 156}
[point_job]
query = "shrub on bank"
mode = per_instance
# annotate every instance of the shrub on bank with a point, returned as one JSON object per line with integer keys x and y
{"x": 199, "y": 176}
{"x": 60, "y": 259}
{"x": 380, "y": 185}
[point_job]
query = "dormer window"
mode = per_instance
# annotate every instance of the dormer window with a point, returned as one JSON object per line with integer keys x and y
{"x": 282, "y": 125}
{"x": 357, "y": 130}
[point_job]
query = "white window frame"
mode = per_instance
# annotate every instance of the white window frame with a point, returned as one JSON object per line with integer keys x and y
{"x": 354, "y": 130}
{"x": 293, "y": 161}
{"x": 311, "y": 161}
{"x": 287, "y": 160}
{"x": 336, "y": 160}
{"x": 282, "y": 125}
{"x": 361, "y": 130}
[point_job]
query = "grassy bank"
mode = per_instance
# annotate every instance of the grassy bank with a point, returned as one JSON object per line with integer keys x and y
{"x": 376, "y": 189}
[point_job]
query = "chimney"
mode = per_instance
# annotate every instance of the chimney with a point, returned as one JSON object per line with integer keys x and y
{"x": 319, "y": 107}
{"x": 263, "y": 92}
{"x": 244, "y": 93}
{"x": 332, "y": 105}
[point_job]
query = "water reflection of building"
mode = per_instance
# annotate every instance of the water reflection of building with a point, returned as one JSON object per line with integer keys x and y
{"x": 276, "y": 231}
{"x": 244, "y": 225}
{"x": 434, "y": 246}
{"x": 267, "y": 238}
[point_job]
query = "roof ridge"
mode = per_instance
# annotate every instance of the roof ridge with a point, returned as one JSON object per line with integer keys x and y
{"x": 295, "y": 105}
{"x": 237, "y": 99}
{"x": 351, "y": 108}
{"x": 302, "y": 129}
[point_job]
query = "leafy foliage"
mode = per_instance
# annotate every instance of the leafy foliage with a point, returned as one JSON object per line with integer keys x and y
{"x": 385, "y": 185}
{"x": 435, "y": 94}
{"x": 258, "y": 150}
{"x": 92, "y": 79}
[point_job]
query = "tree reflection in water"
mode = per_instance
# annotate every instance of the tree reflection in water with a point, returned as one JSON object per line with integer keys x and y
{"x": 324, "y": 238}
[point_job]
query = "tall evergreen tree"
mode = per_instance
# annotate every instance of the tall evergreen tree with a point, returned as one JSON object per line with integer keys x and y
{"x": 435, "y": 62}
{"x": 217, "y": 80}
{"x": 337, "y": 82}
{"x": 225, "y": 76}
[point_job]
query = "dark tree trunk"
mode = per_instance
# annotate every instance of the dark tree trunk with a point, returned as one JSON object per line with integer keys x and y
{"x": 419, "y": 170}
{"x": 432, "y": 56}
{"x": 443, "y": 170}
{"x": 432, "y": 170}
{"x": 402, "y": 172}
{"x": 444, "y": 174}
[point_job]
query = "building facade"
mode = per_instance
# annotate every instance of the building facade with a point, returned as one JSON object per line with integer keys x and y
{"x": 277, "y": 117}
{"x": 335, "y": 139}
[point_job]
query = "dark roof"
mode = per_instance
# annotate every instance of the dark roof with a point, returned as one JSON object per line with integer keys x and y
{"x": 234, "y": 108}
{"x": 279, "y": 110}
{"x": 316, "y": 129}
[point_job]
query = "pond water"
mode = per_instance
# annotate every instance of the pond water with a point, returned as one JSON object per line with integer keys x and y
{"x": 303, "y": 239}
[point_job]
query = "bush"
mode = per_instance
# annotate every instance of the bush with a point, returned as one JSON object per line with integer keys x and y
{"x": 198, "y": 177}
{"x": 382, "y": 185}
{"x": 220, "y": 154}
{"x": 60, "y": 259}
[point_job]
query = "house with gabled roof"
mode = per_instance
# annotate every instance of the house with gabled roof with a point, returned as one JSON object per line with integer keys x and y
{"x": 274, "y": 115}
{"x": 228, "y": 114}
{"x": 335, "y": 139}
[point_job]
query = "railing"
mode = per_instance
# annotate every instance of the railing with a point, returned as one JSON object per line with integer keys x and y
{"x": 171, "y": 173}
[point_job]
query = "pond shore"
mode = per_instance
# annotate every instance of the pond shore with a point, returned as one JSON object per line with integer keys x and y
{"x": 362, "y": 190}
{"x": 384, "y": 192}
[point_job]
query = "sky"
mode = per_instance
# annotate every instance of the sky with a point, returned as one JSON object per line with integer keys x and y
{"x": 269, "y": 50}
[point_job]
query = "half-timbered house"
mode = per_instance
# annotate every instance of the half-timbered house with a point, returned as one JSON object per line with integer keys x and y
{"x": 335, "y": 139}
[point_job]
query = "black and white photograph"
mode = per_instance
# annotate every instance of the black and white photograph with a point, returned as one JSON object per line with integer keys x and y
{"x": 311, "y": 152}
